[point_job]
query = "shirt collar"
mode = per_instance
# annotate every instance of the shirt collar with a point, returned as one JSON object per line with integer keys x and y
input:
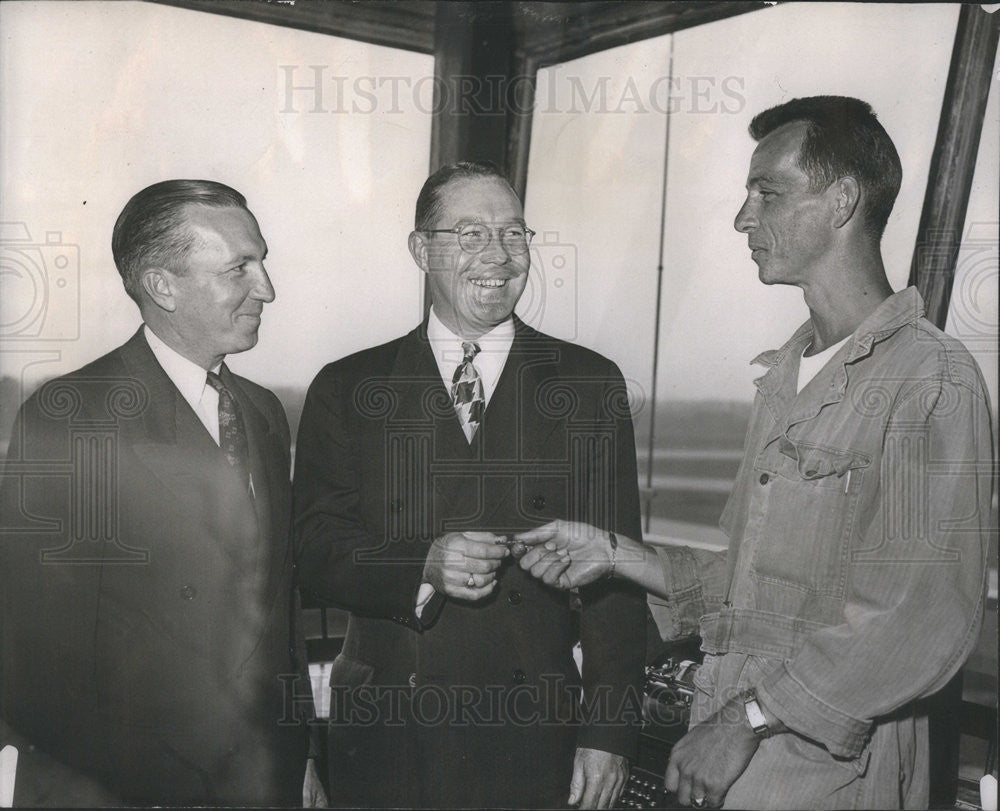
{"x": 494, "y": 348}
{"x": 498, "y": 339}
{"x": 186, "y": 375}
{"x": 900, "y": 309}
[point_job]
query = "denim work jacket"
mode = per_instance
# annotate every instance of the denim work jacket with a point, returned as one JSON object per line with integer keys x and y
{"x": 855, "y": 578}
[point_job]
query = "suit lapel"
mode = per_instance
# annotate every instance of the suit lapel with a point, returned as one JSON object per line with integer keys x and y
{"x": 177, "y": 448}
{"x": 524, "y": 413}
{"x": 526, "y": 406}
{"x": 424, "y": 407}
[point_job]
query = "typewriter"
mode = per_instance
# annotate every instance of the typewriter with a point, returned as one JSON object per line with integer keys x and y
{"x": 666, "y": 712}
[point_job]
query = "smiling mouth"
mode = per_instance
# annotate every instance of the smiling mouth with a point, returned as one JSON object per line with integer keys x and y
{"x": 490, "y": 283}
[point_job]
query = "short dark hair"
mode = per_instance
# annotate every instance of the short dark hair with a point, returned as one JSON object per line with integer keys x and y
{"x": 843, "y": 138}
{"x": 150, "y": 230}
{"x": 429, "y": 199}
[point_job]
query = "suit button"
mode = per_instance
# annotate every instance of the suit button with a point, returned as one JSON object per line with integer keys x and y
{"x": 514, "y": 597}
{"x": 188, "y": 592}
{"x": 413, "y": 680}
{"x": 396, "y": 506}
{"x": 519, "y": 676}
{"x": 538, "y": 502}
{"x": 764, "y": 478}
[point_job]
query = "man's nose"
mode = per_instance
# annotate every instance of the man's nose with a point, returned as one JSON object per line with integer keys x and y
{"x": 745, "y": 220}
{"x": 495, "y": 252}
{"x": 263, "y": 290}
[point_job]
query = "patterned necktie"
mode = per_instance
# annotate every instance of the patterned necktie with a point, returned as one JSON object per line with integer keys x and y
{"x": 467, "y": 391}
{"x": 232, "y": 432}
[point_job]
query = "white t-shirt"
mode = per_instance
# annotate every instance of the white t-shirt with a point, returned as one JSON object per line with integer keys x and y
{"x": 810, "y": 365}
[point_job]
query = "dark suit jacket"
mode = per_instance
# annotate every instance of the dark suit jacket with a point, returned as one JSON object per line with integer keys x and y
{"x": 145, "y": 600}
{"x": 474, "y": 704}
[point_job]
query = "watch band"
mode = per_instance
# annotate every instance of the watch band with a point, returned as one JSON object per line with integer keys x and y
{"x": 755, "y": 715}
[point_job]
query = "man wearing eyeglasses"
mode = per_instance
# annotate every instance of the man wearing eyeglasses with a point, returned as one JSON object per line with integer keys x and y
{"x": 416, "y": 461}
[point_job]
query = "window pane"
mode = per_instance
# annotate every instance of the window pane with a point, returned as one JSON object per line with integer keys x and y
{"x": 135, "y": 93}
{"x": 599, "y": 173}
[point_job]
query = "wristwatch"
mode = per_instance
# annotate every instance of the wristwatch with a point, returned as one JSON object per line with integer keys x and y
{"x": 755, "y": 715}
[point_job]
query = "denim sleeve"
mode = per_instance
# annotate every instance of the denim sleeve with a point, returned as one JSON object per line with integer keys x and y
{"x": 695, "y": 583}
{"x": 917, "y": 568}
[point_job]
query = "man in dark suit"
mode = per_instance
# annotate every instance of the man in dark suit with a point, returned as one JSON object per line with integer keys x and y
{"x": 146, "y": 572}
{"x": 415, "y": 462}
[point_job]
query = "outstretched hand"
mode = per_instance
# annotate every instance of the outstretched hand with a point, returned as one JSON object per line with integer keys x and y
{"x": 566, "y": 554}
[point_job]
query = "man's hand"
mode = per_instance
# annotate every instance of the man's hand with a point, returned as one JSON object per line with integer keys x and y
{"x": 313, "y": 795}
{"x": 598, "y": 778}
{"x": 707, "y": 761}
{"x": 464, "y": 565}
{"x": 566, "y": 554}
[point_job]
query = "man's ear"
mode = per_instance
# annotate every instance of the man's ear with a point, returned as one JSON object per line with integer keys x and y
{"x": 418, "y": 250}
{"x": 158, "y": 285}
{"x": 847, "y": 195}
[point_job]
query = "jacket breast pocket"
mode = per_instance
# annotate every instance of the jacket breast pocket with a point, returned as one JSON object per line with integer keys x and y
{"x": 810, "y": 501}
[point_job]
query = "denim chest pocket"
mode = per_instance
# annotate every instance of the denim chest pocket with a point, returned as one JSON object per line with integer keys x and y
{"x": 810, "y": 499}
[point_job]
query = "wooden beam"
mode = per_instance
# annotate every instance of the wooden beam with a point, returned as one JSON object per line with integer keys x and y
{"x": 406, "y": 24}
{"x": 473, "y": 59}
{"x": 521, "y": 101}
{"x": 949, "y": 183}
{"x": 479, "y": 105}
{"x": 559, "y": 32}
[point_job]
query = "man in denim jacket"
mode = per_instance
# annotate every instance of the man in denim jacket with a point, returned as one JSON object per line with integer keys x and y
{"x": 858, "y": 522}
{"x": 854, "y": 582}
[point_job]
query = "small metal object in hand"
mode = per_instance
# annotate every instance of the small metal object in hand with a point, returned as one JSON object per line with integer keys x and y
{"x": 698, "y": 802}
{"x": 471, "y": 582}
{"x": 517, "y": 549}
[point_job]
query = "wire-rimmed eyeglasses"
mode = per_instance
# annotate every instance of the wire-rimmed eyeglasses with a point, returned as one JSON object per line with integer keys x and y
{"x": 475, "y": 237}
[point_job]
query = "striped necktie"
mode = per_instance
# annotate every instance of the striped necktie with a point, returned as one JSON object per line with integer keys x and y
{"x": 467, "y": 391}
{"x": 232, "y": 431}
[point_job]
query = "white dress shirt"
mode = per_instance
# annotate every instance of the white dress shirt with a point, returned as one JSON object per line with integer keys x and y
{"x": 494, "y": 347}
{"x": 191, "y": 381}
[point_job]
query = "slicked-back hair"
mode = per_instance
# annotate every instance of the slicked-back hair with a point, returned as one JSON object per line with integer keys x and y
{"x": 429, "y": 199}
{"x": 151, "y": 230}
{"x": 843, "y": 138}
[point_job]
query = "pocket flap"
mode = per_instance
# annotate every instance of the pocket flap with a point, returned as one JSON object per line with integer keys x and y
{"x": 815, "y": 462}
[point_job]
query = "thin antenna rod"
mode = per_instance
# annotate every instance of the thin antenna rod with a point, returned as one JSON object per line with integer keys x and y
{"x": 659, "y": 293}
